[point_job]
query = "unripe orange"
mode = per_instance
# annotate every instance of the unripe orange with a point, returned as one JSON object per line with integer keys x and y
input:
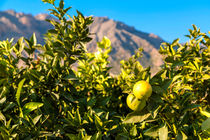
{"x": 142, "y": 90}
{"x": 134, "y": 103}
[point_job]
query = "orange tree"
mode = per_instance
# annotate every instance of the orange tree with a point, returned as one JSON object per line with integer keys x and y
{"x": 47, "y": 99}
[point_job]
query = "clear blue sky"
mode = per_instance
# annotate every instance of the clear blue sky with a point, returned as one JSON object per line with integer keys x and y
{"x": 170, "y": 19}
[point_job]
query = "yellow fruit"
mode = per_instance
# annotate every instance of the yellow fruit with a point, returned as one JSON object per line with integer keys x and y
{"x": 142, "y": 90}
{"x": 134, "y": 103}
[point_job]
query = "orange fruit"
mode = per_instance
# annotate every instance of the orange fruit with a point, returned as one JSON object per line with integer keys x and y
{"x": 142, "y": 90}
{"x": 134, "y": 103}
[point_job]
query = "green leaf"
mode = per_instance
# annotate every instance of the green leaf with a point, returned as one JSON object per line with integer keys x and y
{"x": 175, "y": 42}
{"x": 105, "y": 43}
{"x": 33, "y": 39}
{"x": 98, "y": 122}
{"x": 181, "y": 136}
{"x": 61, "y": 4}
{"x": 55, "y": 60}
{"x": 71, "y": 77}
{"x": 2, "y": 100}
{"x": 49, "y": 1}
{"x": 20, "y": 45}
{"x": 10, "y": 105}
{"x": 206, "y": 76}
{"x": 194, "y": 27}
{"x": 205, "y": 113}
{"x": 163, "y": 133}
{"x": 2, "y": 117}
{"x": 167, "y": 83}
{"x": 176, "y": 78}
{"x": 97, "y": 136}
{"x": 191, "y": 106}
{"x": 133, "y": 131}
{"x": 78, "y": 117}
{"x": 136, "y": 117}
{"x": 206, "y": 124}
{"x": 20, "y": 85}
{"x": 28, "y": 107}
{"x": 86, "y": 137}
{"x": 36, "y": 119}
{"x": 152, "y": 132}
{"x": 72, "y": 136}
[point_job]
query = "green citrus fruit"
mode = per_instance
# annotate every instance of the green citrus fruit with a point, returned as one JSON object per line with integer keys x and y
{"x": 142, "y": 90}
{"x": 134, "y": 103}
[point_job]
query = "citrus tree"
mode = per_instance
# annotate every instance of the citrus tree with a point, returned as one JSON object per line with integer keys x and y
{"x": 64, "y": 92}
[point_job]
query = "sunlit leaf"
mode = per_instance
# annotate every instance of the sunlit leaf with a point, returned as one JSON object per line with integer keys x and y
{"x": 136, "y": 117}
{"x": 28, "y": 107}
{"x": 2, "y": 118}
{"x": 36, "y": 119}
{"x": 206, "y": 124}
{"x": 20, "y": 85}
{"x": 181, "y": 136}
{"x": 163, "y": 133}
{"x": 152, "y": 132}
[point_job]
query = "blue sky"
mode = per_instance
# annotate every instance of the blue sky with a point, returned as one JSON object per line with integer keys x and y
{"x": 170, "y": 19}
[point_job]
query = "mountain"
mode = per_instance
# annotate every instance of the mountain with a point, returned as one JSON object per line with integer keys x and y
{"x": 125, "y": 39}
{"x": 15, "y": 25}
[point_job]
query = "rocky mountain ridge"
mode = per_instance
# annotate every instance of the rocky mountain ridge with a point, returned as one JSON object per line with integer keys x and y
{"x": 125, "y": 39}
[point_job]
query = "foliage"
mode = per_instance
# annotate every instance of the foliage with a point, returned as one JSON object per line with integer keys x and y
{"x": 46, "y": 98}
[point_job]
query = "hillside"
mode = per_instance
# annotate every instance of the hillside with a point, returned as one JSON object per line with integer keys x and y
{"x": 125, "y": 39}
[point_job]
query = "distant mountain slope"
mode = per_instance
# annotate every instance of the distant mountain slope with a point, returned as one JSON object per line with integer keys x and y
{"x": 125, "y": 39}
{"x": 15, "y": 25}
